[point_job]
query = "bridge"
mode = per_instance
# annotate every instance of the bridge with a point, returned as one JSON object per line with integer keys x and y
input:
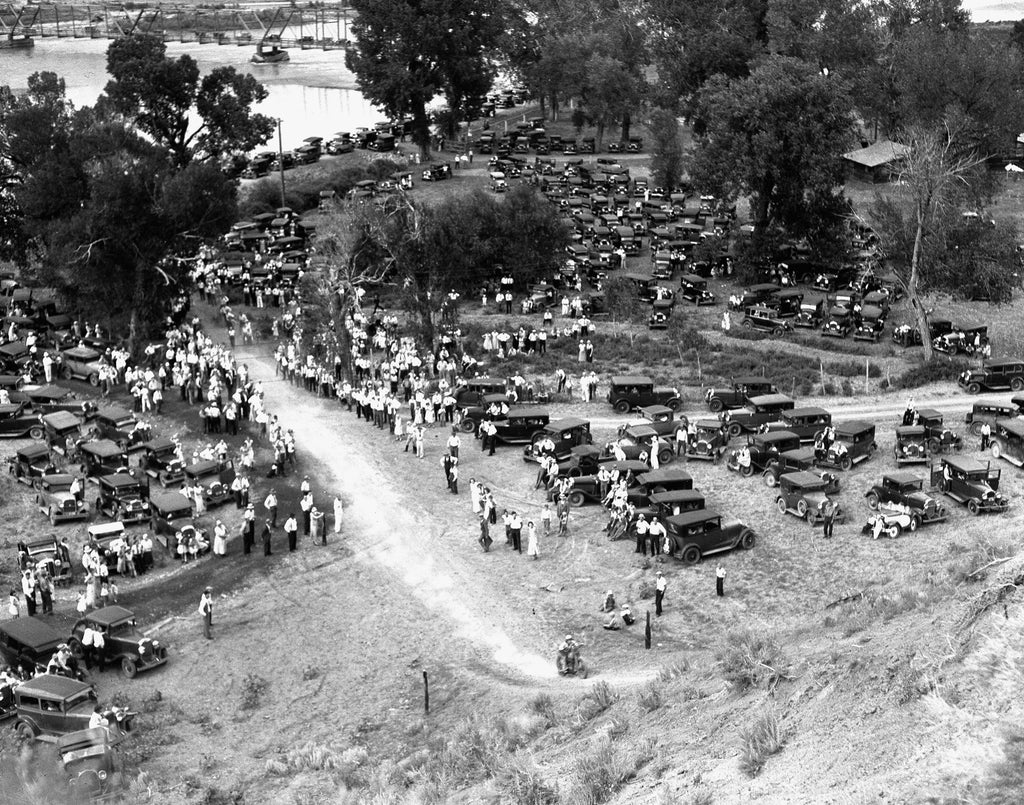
{"x": 323, "y": 27}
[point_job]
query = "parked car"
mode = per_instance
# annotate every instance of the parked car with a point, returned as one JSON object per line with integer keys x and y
{"x": 123, "y": 497}
{"x": 753, "y": 295}
{"x": 49, "y": 399}
{"x": 81, "y": 363}
{"x": 672, "y": 503}
{"x": 699, "y": 533}
{"x": 855, "y": 442}
{"x": 87, "y": 758}
{"x": 705, "y": 441}
{"x": 940, "y": 438}
{"x": 798, "y": 460}
{"x": 870, "y": 325}
{"x": 695, "y": 289}
{"x": 803, "y": 494}
{"x": 160, "y": 461}
{"x": 28, "y": 643}
{"x": 911, "y": 445}
{"x": 765, "y": 319}
{"x": 762, "y": 449}
{"x": 656, "y": 481}
{"x": 31, "y": 462}
{"x": 890, "y": 522}
{"x": 122, "y": 428}
{"x": 982, "y": 412}
{"x": 54, "y": 499}
{"x": 962, "y": 340}
{"x": 757, "y": 412}
{"x": 63, "y": 432}
{"x": 907, "y": 490}
{"x": 629, "y": 392}
{"x": 838, "y": 323}
{"x": 169, "y": 512}
{"x": 563, "y": 434}
{"x": 17, "y": 422}
{"x": 742, "y": 391}
{"x": 909, "y": 336}
{"x": 50, "y": 706}
{"x": 1007, "y": 441}
{"x": 994, "y": 376}
{"x": 662, "y": 420}
{"x": 473, "y": 392}
{"x": 970, "y": 482}
{"x": 808, "y": 422}
{"x": 126, "y": 646}
{"x": 638, "y": 438}
{"x": 811, "y": 314}
{"x": 102, "y": 457}
{"x": 586, "y": 488}
{"x": 214, "y": 477}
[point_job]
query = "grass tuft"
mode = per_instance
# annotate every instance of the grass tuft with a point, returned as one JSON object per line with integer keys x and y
{"x": 750, "y": 659}
{"x": 759, "y": 741}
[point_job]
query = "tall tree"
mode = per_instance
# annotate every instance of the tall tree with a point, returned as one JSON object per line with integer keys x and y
{"x": 408, "y": 52}
{"x": 666, "y": 148}
{"x": 162, "y": 96}
{"x": 776, "y": 136}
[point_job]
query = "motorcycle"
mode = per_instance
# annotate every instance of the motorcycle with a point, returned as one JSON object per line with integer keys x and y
{"x": 570, "y": 663}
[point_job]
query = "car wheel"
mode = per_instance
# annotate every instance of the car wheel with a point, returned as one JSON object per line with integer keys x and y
{"x": 36, "y": 433}
{"x": 747, "y": 540}
{"x": 976, "y": 428}
{"x": 735, "y": 429}
{"x": 801, "y": 507}
{"x": 675, "y": 404}
{"x": 25, "y": 731}
{"x": 76, "y": 647}
{"x": 770, "y": 480}
{"x": 129, "y": 668}
{"x": 780, "y": 502}
{"x": 995, "y": 450}
{"x": 973, "y": 507}
{"x": 846, "y": 462}
{"x": 873, "y": 501}
{"x": 934, "y": 445}
{"x": 915, "y": 523}
{"x": 716, "y": 405}
{"x": 577, "y": 498}
{"x": 894, "y": 531}
{"x": 467, "y": 426}
{"x": 747, "y": 471}
{"x": 973, "y": 388}
{"x": 94, "y": 379}
{"x": 622, "y": 406}
{"x": 66, "y": 373}
{"x": 1017, "y": 384}
{"x": 747, "y": 323}
{"x": 778, "y": 331}
{"x": 666, "y": 457}
{"x": 691, "y": 555}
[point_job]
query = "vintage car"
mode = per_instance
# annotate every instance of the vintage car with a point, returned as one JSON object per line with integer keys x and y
{"x": 940, "y": 438}
{"x": 563, "y": 434}
{"x": 994, "y": 376}
{"x": 586, "y": 488}
{"x": 654, "y": 481}
{"x": 81, "y": 363}
{"x": 982, "y": 412}
{"x": 798, "y": 460}
{"x": 672, "y": 503}
{"x": 911, "y": 445}
{"x": 695, "y": 289}
{"x": 169, "y": 512}
{"x": 214, "y": 478}
{"x": 54, "y": 499}
{"x": 102, "y": 457}
{"x": 160, "y": 461}
{"x": 629, "y": 392}
{"x": 705, "y": 441}
{"x": 890, "y": 522}
{"x": 584, "y": 459}
{"x": 765, "y": 319}
{"x": 49, "y": 399}
{"x": 907, "y": 335}
{"x": 743, "y": 389}
{"x": 906, "y": 490}
{"x": 803, "y": 494}
{"x": 699, "y": 533}
{"x": 473, "y": 392}
{"x": 786, "y": 302}
{"x": 88, "y": 760}
{"x": 63, "y": 432}
{"x": 762, "y": 449}
{"x": 31, "y": 462}
{"x": 962, "y": 340}
{"x": 17, "y": 421}
{"x": 1007, "y": 441}
{"x": 970, "y": 482}
{"x": 121, "y": 427}
{"x": 125, "y": 645}
{"x": 638, "y": 438}
{"x": 854, "y": 442}
{"x": 123, "y": 497}
{"x": 661, "y": 312}
{"x": 662, "y": 420}
{"x": 808, "y": 423}
{"x": 753, "y": 295}
{"x": 103, "y": 537}
{"x": 811, "y": 314}
{"x": 870, "y": 324}
{"x": 838, "y": 323}
{"x": 28, "y": 643}
{"x": 50, "y": 706}
{"x": 757, "y": 412}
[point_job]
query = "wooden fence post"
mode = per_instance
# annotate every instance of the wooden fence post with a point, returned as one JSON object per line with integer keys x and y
{"x": 426, "y": 694}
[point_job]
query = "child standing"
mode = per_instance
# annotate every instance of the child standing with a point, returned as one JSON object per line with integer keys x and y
{"x": 545, "y": 518}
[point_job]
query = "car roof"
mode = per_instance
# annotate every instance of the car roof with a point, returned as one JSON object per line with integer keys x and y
{"x": 115, "y": 412}
{"x": 58, "y": 478}
{"x": 527, "y": 411}
{"x": 988, "y": 406}
{"x": 810, "y": 410}
{"x": 799, "y": 454}
{"x": 83, "y": 739}
{"x": 689, "y": 518}
{"x": 770, "y": 399}
{"x": 661, "y": 476}
{"x": 568, "y": 423}
{"x": 52, "y": 685}
{"x": 785, "y": 293}
{"x": 106, "y": 529}
{"x": 657, "y": 410}
{"x": 714, "y": 424}
{"x": 929, "y": 413}
{"x": 33, "y": 632}
{"x": 201, "y": 467}
{"x": 50, "y": 391}
{"x": 169, "y": 500}
{"x": 871, "y": 312}
{"x": 910, "y": 430}
{"x": 82, "y": 353}
{"x": 119, "y": 479}
{"x": 31, "y": 451}
{"x": 854, "y": 426}
{"x": 1003, "y": 362}
{"x": 803, "y": 478}
{"x": 628, "y": 464}
{"x": 109, "y": 616}
{"x": 11, "y": 408}
{"x": 159, "y": 443}
{"x": 102, "y": 448}
{"x": 486, "y": 381}
{"x": 901, "y": 477}
{"x": 965, "y": 463}
{"x": 640, "y": 430}
{"x": 1014, "y": 426}
{"x": 674, "y": 495}
{"x": 631, "y": 380}
{"x": 693, "y": 278}
{"x": 776, "y": 436}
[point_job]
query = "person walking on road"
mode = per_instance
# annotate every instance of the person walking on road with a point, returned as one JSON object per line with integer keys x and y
{"x": 206, "y": 612}
{"x": 720, "y": 581}
{"x": 659, "y": 592}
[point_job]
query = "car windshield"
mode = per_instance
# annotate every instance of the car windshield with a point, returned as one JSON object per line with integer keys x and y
{"x": 122, "y": 629}
{"x": 83, "y": 697}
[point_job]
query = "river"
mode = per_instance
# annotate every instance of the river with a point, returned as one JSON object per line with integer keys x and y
{"x": 314, "y": 94}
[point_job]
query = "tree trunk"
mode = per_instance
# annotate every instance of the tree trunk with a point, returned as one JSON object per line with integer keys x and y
{"x": 138, "y": 305}
{"x": 915, "y": 272}
{"x": 627, "y": 120}
{"x": 421, "y": 128}
{"x": 554, "y": 107}
{"x": 598, "y": 135}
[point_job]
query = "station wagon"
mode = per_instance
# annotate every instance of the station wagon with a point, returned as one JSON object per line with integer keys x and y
{"x": 1008, "y": 441}
{"x": 742, "y": 391}
{"x": 994, "y": 376}
{"x": 629, "y": 392}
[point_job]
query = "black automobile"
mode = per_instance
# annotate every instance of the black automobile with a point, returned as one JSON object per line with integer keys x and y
{"x": 124, "y": 644}
{"x": 757, "y": 412}
{"x": 629, "y": 392}
{"x": 907, "y": 490}
{"x": 870, "y": 324}
{"x": 787, "y": 302}
{"x": 854, "y": 442}
{"x": 63, "y": 432}
{"x": 911, "y": 445}
{"x": 563, "y": 434}
{"x": 742, "y": 391}
{"x": 30, "y": 463}
{"x": 762, "y": 449}
{"x": 753, "y": 295}
{"x": 102, "y": 457}
{"x": 169, "y": 512}
{"x": 695, "y": 289}
{"x": 940, "y": 438}
{"x": 49, "y": 399}
{"x": 970, "y": 482}
{"x": 522, "y": 425}
{"x": 17, "y": 421}
{"x": 1007, "y": 373}
{"x": 695, "y": 534}
{"x": 838, "y": 323}
{"x": 799, "y": 460}
{"x": 123, "y": 497}
{"x": 160, "y": 461}
{"x": 808, "y": 422}
{"x": 907, "y": 335}
{"x": 122, "y": 428}
{"x": 28, "y": 643}
{"x": 472, "y": 393}
{"x": 214, "y": 477}
{"x": 765, "y": 319}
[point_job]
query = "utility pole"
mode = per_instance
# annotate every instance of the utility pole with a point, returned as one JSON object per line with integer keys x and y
{"x": 280, "y": 160}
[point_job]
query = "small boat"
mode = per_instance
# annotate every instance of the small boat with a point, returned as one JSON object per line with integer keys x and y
{"x": 20, "y": 41}
{"x": 269, "y": 54}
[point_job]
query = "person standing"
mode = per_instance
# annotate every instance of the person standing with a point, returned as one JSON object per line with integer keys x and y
{"x": 453, "y": 477}
{"x": 720, "y": 581}
{"x": 454, "y": 443}
{"x": 318, "y": 525}
{"x": 271, "y": 506}
{"x": 206, "y": 612}
{"x": 485, "y": 534}
{"x": 828, "y": 518}
{"x": 986, "y": 435}
{"x": 339, "y": 514}
{"x": 532, "y": 548}
{"x": 291, "y": 530}
{"x": 46, "y": 591}
{"x": 28, "y": 588}
{"x": 306, "y": 504}
{"x": 656, "y": 534}
{"x": 266, "y": 538}
{"x": 220, "y": 539}
{"x": 660, "y": 585}
{"x": 545, "y": 518}
{"x": 515, "y": 523}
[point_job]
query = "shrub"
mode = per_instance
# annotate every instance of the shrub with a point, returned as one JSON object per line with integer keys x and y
{"x": 543, "y": 705}
{"x": 650, "y": 697}
{"x": 1006, "y": 779}
{"x": 758, "y": 742}
{"x": 603, "y": 695}
{"x": 938, "y": 370}
{"x": 253, "y": 689}
{"x": 598, "y": 770}
{"x": 752, "y": 659}
{"x": 673, "y": 671}
{"x": 519, "y": 780}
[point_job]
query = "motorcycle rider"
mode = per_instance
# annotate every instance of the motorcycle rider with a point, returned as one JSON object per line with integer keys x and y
{"x": 568, "y": 653}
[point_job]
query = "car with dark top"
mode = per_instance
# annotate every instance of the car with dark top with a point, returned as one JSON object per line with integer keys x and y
{"x": 1007, "y": 441}
{"x": 564, "y": 434}
{"x": 122, "y": 428}
{"x": 28, "y": 643}
{"x": 629, "y": 392}
{"x": 88, "y": 760}
{"x": 838, "y": 323}
{"x": 857, "y": 440}
{"x": 766, "y": 319}
{"x": 123, "y": 497}
{"x": 1007, "y": 373}
{"x": 49, "y": 399}
{"x": 911, "y": 445}
{"x": 705, "y": 441}
{"x": 906, "y": 490}
{"x": 695, "y": 289}
{"x": 81, "y": 363}
{"x": 741, "y": 392}
{"x": 31, "y": 462}
{"x": 798, "y": 460}
{"x": 160, "y": 462}
{"x": 586, "y": 488}
{"x": 50, "y": 706}
{"x": 662, "y": 420}
{"x": 169, "y": 512}
{"x": 638, "y": 439}
{"x": 102, "y": 457}
{"x": 472, "y": 393}
{"x": 982, "y": 412}
{"x": 870, "y": 324}
{"x": 970, "y": 482}
{"x": 214, "y": 478}
{"x": 672, "y": 503}
{"x": 753, "y": 295}
{"x": 17, "y": 422}
{"x": 804, "y": 495}
{"x": 757, "y": 412}
{"x": 54, "y": 499}
{"x": 699, "y": 533}
{"x": 811, "y": 313}
{"x": 126, "y": 646}
{"x": 665, "y": 480}
{"x": 907, "y": 335}
{"x": 808, "y": 422}
{"x": 940, "y": 438}
{"x": 63, "y": 432}
{"x": 763, "y": 448}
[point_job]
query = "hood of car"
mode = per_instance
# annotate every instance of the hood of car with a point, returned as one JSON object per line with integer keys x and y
{"x": 921, "y": 500}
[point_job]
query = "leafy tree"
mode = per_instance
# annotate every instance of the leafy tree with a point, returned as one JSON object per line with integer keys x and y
{"x": 408, "y": 52}
{"x": 666, "y": 148}
{"x": 776, "y": 136}
{"x": 159, "y": 94}
{"x": 623, "y": 300}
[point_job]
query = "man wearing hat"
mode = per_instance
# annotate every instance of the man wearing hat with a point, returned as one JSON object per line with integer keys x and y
{"x": 291, "y": 530}
{"x": 206, "y": 611}
{"x": 266, "y": 537}
{"x": 659, "y": 592}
